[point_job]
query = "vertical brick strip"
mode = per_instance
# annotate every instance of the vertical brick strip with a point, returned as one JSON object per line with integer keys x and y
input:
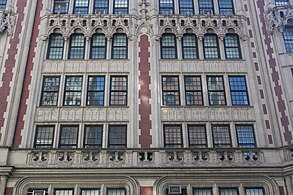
{"x": 146, "y": 191}
{"x": 145, "y": 125}
{"x": 275, "y": 75}
{"x": 282, "y": 191}
{"x": 8, "y": 191}
{"x": 10, "y": 63}
{"x": 27, "y": 77}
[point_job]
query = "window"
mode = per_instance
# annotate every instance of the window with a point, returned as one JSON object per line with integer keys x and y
{"x": 189, "y": 46}
{"x": 44, "y": 137}
{"x": 198, "y": 191}
{"x": 63, "y": 192}
{"x": 55, "y": 48}
{"x": 254, "y": 191}
{"x": 93, "y": 136}
{"x": 173, "y": 136}
{"x": 61, "y": 6}
{"x": 168, "y": 46}
{"x": 232, "y": 46}
{"x": 197, "y": 136}
{"x": 193, "y": 91}
{"x": 119, "y": 46}
{"x": 116, "y": 191}
{"x": 117, "y": 136}
{"x": 226, "y": 7}
{"x": 216, "y": 91}
{"x": 221, "y": 136}
{"x": 211, "y": 46}
{"x": 245, "y": 136}
{"x": 206, "y": 7}
{"x": 68, "y": 136}
{"x": 120, "y": 7}
{"x": 72, "y": 94}
{"x": 238, "y": 91}
{"x": 95, "y": 92}
{"x": 186, "y": 7}
{"x": 98, "y": 47}
{"x": 37, "y": 192}
{"x": 282, "y": 2}
{"x": 90, "y": 192}
{"x": 288, "y": 38}
{"x": 166, "y": 6}
{"x": 118, "y": 91}
{"x": 171, "y": 94}
{"x": 81, "y": 6}
{"x": 101, "y": 6}
{"x": 50, "y": 91}
{"x": 228, "y": 191}
{"x": 77, "y": 46}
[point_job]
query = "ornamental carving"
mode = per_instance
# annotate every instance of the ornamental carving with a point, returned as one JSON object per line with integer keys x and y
{"x": 277, "y": 17}
{"x": 7, "y": 21}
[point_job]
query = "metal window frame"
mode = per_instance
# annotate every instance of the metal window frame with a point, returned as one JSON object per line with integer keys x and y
{"x": 227, "y": 188}
{"x": 87, "y": 92}
{"x": 248, "y": 102}
{"x": 35, "y": 140}
{"x": 75, "y": 7}
{"x": 217, "y": 47}
{"x": 180, "y": 7}
{"x": 84, "y": 137}
{"x": 259, "y": 188}
{"x": 110, "y": 98}
{"x": 281, "y": 3}
{"x": 49, "y": 46}
{"x": 71, "y": 145}
{"x": 208, "y": 90}
{"x": 229, "y": 130}
{"x": 201, "y": 91}
{"x": 54, "y": 7}
{"x": 232, "y": 8}
{"x": 200, "y": 9}
{"x": 42, "y": 92}
{"x": 181, "y": 135}
{"x": 253, "y": 133}
{"x": 183, "y": 47}
{"x": 288, "y": 40}
{"x": 100, "y": 8}
{"x": 206, "y": 137}
{"x": 64, "y": 95}
{"x": 119, "y": 8}
{"x": 178, "y": 83}
{"x": 175, "y": 46}
{"x": 126, "y": 47}
{"x": 211, "y": 189}
{"x": 92, "y": 47}
{"x": 70, "y": 47}
{"x": 71, "y": 189}
{"x": 161, "y": 7}
{"x": 238, "y": 46}
{"x": 117, "y": 125}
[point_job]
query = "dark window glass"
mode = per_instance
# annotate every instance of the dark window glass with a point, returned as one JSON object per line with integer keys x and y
{"x": 173, "y": 136}
{"x": 186, "y": 7}
{"x": 221, "y": 136}
{"x": 228, "y": 191}
{"x": 119, "y": 46}
{"x": 116, "y": 191}
{"x": 238, "y": 91}
{"x": 93, "y": 136}
{"x": 189, "y": 46}
{"x": 72, "y": 94}
{"x": 90, "y": 192}
{"x": 117, "y": 136}
{"x": 206, "y": 7}
{"x": 254, "y": 191}
{"x": 118, "y": 92}
{"x": 168, "y": 46}
{"x": 232, "y": 46}
{"x": 226, "y": 7}
{"x": 197, "y": 136}
{"x": 37, "y": 192}
{"x": 120, "y": 7}
{"x": 50, "y": 91}
{"x": 288, "y": 38}
{"x": 216, "y": 90}
{"x": 171, "y": 94}
{"x": 44, "y": 137}
{"x": 68, "y": 136}
{"x": 95, "y": 92}
{"x": 166, "y": 6}
{"x": 77, "y": 46}
{"x": 198, "y": 191}
{"x": 98, "y": 47}
{"x": 282, "y": 2}
{"x": 245, "y": 136}
{"x": 2, "y": 4}
{"x": 211, "y": 46}
{"x": 101, "y": 6}
{"x": 63, "y": 192}
{"x": 61, "y": 6}
{"x": 55, "y": 48}
{"x": 81, "y": 7}
{"x": 193, "y": 90}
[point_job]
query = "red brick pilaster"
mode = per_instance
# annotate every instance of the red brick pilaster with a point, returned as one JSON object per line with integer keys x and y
{"x": 146, "y": 191}
{"x": 8, "y": 191}
{"x": 282, "y": 190}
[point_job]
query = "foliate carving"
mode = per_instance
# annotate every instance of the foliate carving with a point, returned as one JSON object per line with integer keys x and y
{"x": 65, "y": 157}
{"x": 7, "y": 21}
{"x": 175, "y": 156}
{"x": 90, "y": 156}
{"x": 200, "y": 157}
{"x": 39, "y": 157}
{"x": 226, "y": 156}
{"x": 145, "y": 157}
{"x": 277, "y": 17}
{"x": 116, "y": 157}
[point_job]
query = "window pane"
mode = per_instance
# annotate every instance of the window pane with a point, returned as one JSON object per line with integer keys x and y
{"x": 55, "y": 48}
{"x": 116, "y": 192}
{"x": 197, "y": 136}
{"x": 173, "y": 136}
{"x": 61, "y": 6}
{"x": 254, "y": 191}
{"x": 189, "y": 45}
{"x": 168, "y": 46}
{"x": 282, "y": 2}
{"x": 95, "y": 93}
{"x": 226, "y": 7}
{"x": 63, "y": 192}
{"x": 170, "y": 85}
{"x": 118, "y": 92}
{"x": 193, "y": 90}
{"x": 119, "y": 46}
{"x": 228, "y": 191}
{"x": 37, "y": 192}
{"x": 232, "y": 46}
{"x": 81, "y": 6}
{"x": 101, "y": 6}
{"x": 211, "y": 47}
{"x": 221, "y": 136}
{"x": 206, "y": 6}
{"x": 44, "y": 137}
{"x": 50, "y": 91}
{"x": 288, "y": 38}
{"x": 216, "y": 90}
{"x": 93, "y": 136}
{"x": 202, "y": 192}
{"x": 120, "y": 7}
{"x": 245, "y": 136}
{"x": 238, "y": 90}
{"x": 90, "y": 192}
{"x": 77, "y": 45}
{"x": 117, "y": 136}
{"x": 73, "y": 87}
{"x": 98, "y": 47}
{"x": 166, "y": 7}
{"x": 68, "y": 136}
{"x": 186, "y": 7}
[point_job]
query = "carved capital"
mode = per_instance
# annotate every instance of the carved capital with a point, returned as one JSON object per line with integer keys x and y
{"x": 7, "y": 21}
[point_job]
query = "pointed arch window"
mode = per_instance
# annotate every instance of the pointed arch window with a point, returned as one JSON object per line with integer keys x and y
{"x": 211, "y": 46}
{"x": 189, "y": 46}
{"x": 232, "y": 46}
{"x": 55, "y": 47}
{"x": 119, "y": 46}
{"x": 77, "y": 46}
{"x": 168, "y": 46}
{"x": 98, "y": 46}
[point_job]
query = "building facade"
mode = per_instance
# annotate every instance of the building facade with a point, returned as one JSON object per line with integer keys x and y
{"x": 146, "y": 97}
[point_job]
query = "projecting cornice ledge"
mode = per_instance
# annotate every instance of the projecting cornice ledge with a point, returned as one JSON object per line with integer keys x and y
{"x": 7, "y": 21}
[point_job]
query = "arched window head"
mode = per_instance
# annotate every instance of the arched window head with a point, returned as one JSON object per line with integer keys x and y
{"x": 232, "y": 46}
{"x": 168, "y": 46}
